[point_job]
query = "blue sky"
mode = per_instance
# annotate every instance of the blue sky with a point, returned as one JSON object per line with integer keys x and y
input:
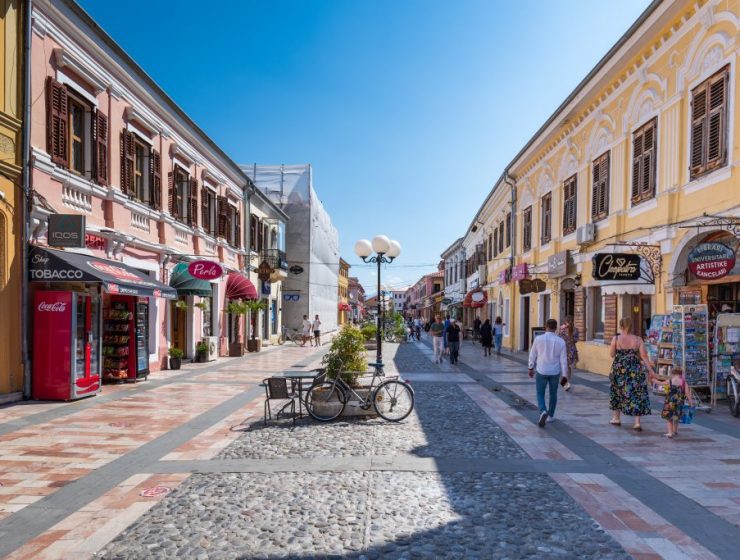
{"x": 408, "y": 110}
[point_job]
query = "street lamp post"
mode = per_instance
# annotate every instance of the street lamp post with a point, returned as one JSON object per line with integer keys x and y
{"x": 386, "y": 250}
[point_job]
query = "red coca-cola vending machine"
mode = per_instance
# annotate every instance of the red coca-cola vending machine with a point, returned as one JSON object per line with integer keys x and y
{"x": 66, "y": 345}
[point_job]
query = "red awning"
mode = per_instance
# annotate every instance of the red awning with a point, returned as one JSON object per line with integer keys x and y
{"x": 475, "y": 298}
{"x": 240, "y": 287}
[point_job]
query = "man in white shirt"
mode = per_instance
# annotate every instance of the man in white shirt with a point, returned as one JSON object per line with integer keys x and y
{"x": 549, "y": 358}
{"x": 316, "y": 326}
{"x": 306, "y": 331}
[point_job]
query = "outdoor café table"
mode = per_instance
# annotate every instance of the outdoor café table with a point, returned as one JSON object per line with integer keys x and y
{"x": 300, "y": 377}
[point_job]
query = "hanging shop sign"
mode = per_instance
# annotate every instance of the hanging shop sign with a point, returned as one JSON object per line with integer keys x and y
{"x": 205, "y": 270}
{"x": 708, "y": 261}
{"x": 447, "y": 301}
{"x": 264, "y": 270}
{"x": 520, "y": 272}
{"x": 266, "y": 288}
{"x": 557, "y": 265}
{"x": 616, "y": 266}
{"x": 504, "y": 277}
{"x": 66, "y": 230}
{"x": 529, "y": 286}
{"x": 296, "y": 269}
{"x": 538, "y": 285}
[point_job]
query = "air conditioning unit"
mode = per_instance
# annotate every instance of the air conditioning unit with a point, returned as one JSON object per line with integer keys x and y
{"x": 586, "y": 234}
{"x": 482, "y": 269}
{"x": 212, "y": 350}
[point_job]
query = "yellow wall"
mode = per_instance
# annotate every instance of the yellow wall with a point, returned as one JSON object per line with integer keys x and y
{"x": 654, "y": 78}
{"x": 343, "y": 282}
{"x": 11, "y": 371}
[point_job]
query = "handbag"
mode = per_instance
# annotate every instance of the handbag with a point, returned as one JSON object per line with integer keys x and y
{"x": 687, "y": 414}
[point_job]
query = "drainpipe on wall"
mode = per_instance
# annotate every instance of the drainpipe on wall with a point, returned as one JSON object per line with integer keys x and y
{"x": 26, "y": 198}
{"x": 509, "y": 181}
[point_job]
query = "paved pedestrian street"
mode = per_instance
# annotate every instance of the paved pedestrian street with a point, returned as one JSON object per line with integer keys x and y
{"x": 182, "y": 467}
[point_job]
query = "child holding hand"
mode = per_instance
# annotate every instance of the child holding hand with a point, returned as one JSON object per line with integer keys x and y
{"x": 677, "y": 394}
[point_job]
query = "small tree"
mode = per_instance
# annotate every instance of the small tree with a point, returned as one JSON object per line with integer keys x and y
{"x": 237, "y": 308}
{"x": 253, "y": 307}
{"x": 346, "y": 356}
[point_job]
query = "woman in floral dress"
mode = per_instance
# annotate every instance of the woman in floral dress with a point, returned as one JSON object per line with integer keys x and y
{"x": 628, "y": 393}
{"x": 569, "y": 333}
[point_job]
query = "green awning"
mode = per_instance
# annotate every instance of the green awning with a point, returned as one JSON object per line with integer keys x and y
{"x": 186, "y": 285}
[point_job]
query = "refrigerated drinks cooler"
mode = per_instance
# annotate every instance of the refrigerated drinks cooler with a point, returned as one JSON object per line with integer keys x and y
{"x": 66, "y": 345}
{"x": 126, "y": 339}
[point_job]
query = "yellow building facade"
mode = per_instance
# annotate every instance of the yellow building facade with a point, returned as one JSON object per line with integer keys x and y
{"x": 11, "y": 201}
{"x": 344, "y": 309}
{"x": 642, "y": 159}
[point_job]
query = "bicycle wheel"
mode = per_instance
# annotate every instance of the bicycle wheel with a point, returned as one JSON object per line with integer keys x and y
{"x": 281, "y": 340}
{"x": 393, "y": 400}
{"x": 325, "y": 401}
{"x": 732, "y": 398}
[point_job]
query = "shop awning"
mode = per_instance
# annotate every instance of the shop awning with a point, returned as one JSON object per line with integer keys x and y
{"x": 475, "y": 298}
{"x": 240, "y": 287}
{"x": 186, "y": 284}
{"x": 50, "y": 265}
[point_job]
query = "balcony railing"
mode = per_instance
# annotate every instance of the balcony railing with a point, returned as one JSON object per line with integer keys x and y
{"x": 275, "y": 258}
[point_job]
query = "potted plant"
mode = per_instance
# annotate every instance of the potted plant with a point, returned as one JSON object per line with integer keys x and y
{"x": 369, "y": 332}
{"x": 202, "y": 305}
{"x": 346, "y": 356}
{"x": 254, "y": 344}
{"x": 237, "y": 309}
{"x": 180, "y": 304}
{"x": 175, "y": 357}
{"x": 201, "y": 351}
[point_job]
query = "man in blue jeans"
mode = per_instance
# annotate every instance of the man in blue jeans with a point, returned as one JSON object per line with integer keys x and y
{"x": 549, "y": 358}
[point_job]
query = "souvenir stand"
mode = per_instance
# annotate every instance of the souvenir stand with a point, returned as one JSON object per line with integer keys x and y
{"x": 726, "y": 350}
{"x": 691, "y": 347}
{"x": 659, "y": 346}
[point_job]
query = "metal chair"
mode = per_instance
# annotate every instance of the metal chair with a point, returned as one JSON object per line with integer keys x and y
{"x": 277, "y": 389}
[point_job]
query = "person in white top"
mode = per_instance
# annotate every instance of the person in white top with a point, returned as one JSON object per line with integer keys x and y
{"x": 306, "y": 331}
{"x": 316, "y": 326}
{"x": 549, "y": 358}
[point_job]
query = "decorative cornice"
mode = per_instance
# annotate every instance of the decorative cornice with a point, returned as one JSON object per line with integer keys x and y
{"x": 65, "y": 59}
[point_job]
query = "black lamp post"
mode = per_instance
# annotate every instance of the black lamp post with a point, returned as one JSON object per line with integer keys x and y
{"x": 386, "y": 251}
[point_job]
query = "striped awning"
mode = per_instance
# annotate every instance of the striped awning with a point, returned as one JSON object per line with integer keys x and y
{"x": 186, "y": 285}
{"x": 239, "y": 286}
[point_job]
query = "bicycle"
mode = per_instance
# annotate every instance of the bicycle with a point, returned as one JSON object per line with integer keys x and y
{"x": 290, "y": 334}
{"x": 392, "y": 399}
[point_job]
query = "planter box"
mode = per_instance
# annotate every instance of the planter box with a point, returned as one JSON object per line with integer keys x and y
{"x": 254, "y": 345}
{"x": 236, "y": 349}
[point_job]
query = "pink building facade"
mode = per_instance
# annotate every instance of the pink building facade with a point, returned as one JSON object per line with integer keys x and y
{"x": 156, "y": 192}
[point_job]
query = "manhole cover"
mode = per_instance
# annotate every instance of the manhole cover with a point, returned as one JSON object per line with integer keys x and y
{"x": 155, "y": 491}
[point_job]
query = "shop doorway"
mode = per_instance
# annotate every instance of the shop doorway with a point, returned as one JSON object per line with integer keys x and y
{"x": 567, "y": 299}
{"x": 524, "y": 314}
{"x": 641, "y": 308}
{"x": 179, "y": 323}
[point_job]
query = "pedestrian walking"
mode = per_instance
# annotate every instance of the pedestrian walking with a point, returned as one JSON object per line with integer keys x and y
{"x": 677, "y": 394}
{"x": 569, "y": 333}
{"x": 628, "y": 392}
{"x": 549, "y": 359}
{"x": 476, "y": 328}
{"x": 306, "y": 333}
{"x": 486, "y": 337}
{"x": 436, "y": 329}
{"x": 446, "y": 350}
{"x": 498, "y": 334}
{"x": 316, "y": 326}
{"x": 417, "y": 328}
{"x": 453, "y": 340}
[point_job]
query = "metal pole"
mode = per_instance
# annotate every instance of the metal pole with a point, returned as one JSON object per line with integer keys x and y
{"x": 26, "y": 196}
{"x": 378, "y": 338}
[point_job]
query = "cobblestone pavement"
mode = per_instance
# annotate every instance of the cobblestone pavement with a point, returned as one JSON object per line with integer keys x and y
{"x": 180, "y": 467}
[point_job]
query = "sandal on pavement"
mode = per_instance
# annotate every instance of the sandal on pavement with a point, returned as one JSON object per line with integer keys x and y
{"x": 669, "y": 435}
{"x": 615, "y": 422}
{"x": 637, "y": 428}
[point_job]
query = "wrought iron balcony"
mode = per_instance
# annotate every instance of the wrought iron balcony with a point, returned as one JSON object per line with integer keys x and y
{"x": 275, "y": 258}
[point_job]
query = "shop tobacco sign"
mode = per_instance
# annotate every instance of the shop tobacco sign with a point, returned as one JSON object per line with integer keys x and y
{"x": 711, "y": 260}
{"x": 616, "y": 266}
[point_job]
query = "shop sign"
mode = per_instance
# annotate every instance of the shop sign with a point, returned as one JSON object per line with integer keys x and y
{"x": 478, "y": 297}
{"x": 520, "y": 272}
{"x": 557, "y": 264}
{"x": 708, "y": 261}
{"x": 296, "y": 269}
{"x": 538, "y": 285}
{"x": 616, "y": 266}
{"x": 205, "y": 270}
{"x": 93, "y": 241}
{"x": 266, "y": 288}
{"x": 66, "y": 230}
{"x": 264, "y": 270}
{"x": 525, "y": 286}
{"x": 504, "y": 277}
{"x": 447, "y": 301}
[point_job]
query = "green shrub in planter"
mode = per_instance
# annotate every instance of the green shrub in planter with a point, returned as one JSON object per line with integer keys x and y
{"x": 346, "y": 356}
{"x": 369, "y": 330}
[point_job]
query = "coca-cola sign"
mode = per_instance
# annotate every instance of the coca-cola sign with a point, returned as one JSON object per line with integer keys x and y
{"x": 711, "y": 260}
{"x": 205, "y": 270}
{"x": 54, "y": 307}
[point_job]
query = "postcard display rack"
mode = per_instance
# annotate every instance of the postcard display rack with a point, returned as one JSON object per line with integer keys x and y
{"x": 116, "y": 341}
{"x": 659, "y": 346}
{"x": 691, "y": 346}
{"x": 726, "y": 349}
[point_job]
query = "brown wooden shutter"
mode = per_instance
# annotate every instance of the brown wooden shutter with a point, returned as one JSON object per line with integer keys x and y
{"x": 495, "y": 242}
{"x": 237, "y": 229}
{"x": 546, "y": 218}
{"x": 193, "y": 203}
{"x": 716, "y": 121}
{"x": 128, "y": 162}
{"x": 172, "y": 195}
{"x": 596, "y": 187}
{"x": 636, "y": 165}
{"x": 527, "y": 229}
{"x": 610, "y": 317}
{"x": 155, "y": 179}
{"x": 205, "y": 214}
{"x": 56, "y": 122}
{"x": 253, "y": 232}
{"x": 100, "y": 128}
{"x": 508, "y": 229}
{"x": 570, "y": 205}
{"x": 698, "y": 129}
{"x": 647, "y": 184}
{"x": 222, "y": 216}
{"x": 600, "y": 191}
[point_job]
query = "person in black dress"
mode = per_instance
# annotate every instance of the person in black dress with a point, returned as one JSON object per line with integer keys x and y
{"x": 486, "y": 337}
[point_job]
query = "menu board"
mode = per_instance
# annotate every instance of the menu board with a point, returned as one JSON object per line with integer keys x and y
{"x": 691, "y": 343}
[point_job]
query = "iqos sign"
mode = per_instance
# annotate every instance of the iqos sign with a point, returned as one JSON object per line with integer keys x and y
{"x": 66, "y": 230}
{"x": 205, "y": 270}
